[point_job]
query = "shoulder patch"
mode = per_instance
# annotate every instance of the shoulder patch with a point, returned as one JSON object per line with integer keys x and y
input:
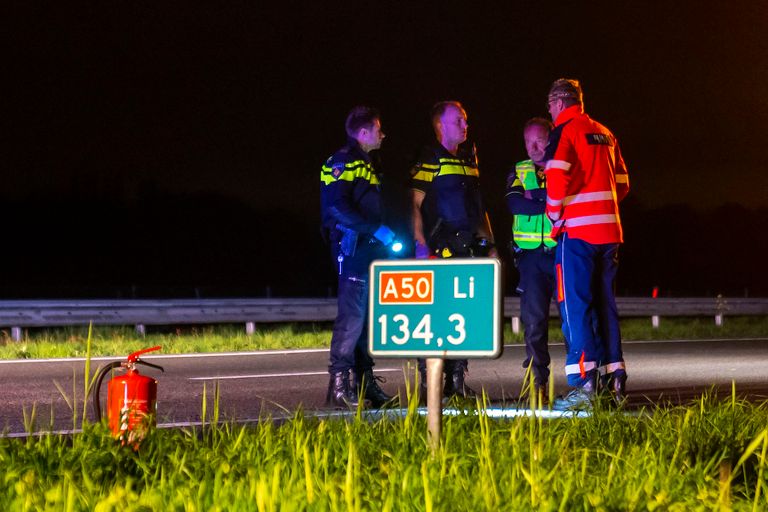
{"x": 337, "y": 169}
{"x": 599, "y": 139}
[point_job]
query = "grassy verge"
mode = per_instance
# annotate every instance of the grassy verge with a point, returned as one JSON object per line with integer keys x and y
{"x": 107, "y": 341}
{"x": 707, "y": 456}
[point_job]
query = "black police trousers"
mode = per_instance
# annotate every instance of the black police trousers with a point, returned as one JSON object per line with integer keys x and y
{"x": 537, "y": 284}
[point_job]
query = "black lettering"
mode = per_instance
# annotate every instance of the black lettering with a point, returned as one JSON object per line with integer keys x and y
{"x": 599, "y": 139}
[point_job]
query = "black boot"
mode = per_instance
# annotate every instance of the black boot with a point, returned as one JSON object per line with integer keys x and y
{"x": 537, "y": 395}
{"x": 455, "y": 385}
{"x": 366, "y": 381}
{"x": 618, "y": 386}
{"x": 339, "y": 392}
{"x": 604, "y": 383}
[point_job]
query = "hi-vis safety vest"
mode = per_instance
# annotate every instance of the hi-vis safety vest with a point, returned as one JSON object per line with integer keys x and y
{"x": 530, "y": 231}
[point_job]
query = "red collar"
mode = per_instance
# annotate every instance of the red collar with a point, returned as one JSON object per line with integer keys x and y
{"x": 568, "y": 114}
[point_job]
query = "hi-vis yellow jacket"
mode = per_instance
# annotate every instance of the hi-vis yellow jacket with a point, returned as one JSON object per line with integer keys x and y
{"x": 530, "y": 230}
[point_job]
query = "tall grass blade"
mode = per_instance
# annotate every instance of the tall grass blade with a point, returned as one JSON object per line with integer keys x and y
{"x": 724, "y": 500}
{"x": 204, "y": 412}
{"x": 216, "y": 401}
{"x": 87, "y": 375}
{"x": 760, "y": 471}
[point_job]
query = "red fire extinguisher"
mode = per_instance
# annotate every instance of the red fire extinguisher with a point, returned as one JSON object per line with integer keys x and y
{"x": 131, "y": 398}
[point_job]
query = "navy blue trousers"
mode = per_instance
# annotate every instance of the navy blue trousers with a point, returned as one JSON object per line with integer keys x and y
{"x": 537, "y": 284}
{"x": 349, "y": 342}
{"x": 586, "y": 275}
{"x": 450, "y": 366}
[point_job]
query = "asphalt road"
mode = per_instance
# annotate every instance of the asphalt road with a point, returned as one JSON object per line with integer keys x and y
{"x": 276, "y": 383}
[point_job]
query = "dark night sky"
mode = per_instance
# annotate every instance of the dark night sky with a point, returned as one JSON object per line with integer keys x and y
{"x": 245, "y": 100}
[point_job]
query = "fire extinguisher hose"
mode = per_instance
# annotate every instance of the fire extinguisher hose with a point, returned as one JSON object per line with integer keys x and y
{"x": 97, "y": 387}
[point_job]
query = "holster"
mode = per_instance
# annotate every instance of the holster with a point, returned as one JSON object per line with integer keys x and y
{"x": 348, "y": 242}
{"x": 460, "y": 243}
{"x": 516, "y": 252}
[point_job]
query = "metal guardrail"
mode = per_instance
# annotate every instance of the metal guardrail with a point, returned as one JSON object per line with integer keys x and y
{"x": 670, "y": 307}
{"x": 19, "y": 314}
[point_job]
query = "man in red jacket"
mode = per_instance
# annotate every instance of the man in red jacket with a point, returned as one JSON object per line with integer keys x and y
{"x": 586, "y": 179}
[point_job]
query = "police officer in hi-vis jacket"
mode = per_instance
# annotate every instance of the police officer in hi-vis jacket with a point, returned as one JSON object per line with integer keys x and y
{"x": 353, "y": 222}
{"x": 533, "y": 247}
{"x": 448, "y": 213}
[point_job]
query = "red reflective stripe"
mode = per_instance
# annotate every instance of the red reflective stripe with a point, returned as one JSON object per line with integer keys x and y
{"x": 582, "y": 371}
{"x": 560, "y": 291}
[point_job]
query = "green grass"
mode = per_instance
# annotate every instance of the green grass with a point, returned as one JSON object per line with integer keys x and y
{"x": 118, "y": 341}
{"x": 709, "y": 455}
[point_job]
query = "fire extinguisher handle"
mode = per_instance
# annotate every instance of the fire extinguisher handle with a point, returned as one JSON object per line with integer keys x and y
{"x": 139, "y": 361}
{"x": 135, "y": 356}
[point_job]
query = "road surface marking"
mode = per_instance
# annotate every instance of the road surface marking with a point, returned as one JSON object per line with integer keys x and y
{"x": 319, "y": 350}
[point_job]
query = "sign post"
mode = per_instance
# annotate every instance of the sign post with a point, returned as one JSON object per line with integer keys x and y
{"x": 435, "y": 309}
{"x": 434, "y": 401}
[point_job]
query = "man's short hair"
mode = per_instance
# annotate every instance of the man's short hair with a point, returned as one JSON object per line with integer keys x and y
{"x": 568, "y": 90}
{"x": 439, "y": 108}
{"x": 538, "y": 121}
{"x": 360, "y": 117}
